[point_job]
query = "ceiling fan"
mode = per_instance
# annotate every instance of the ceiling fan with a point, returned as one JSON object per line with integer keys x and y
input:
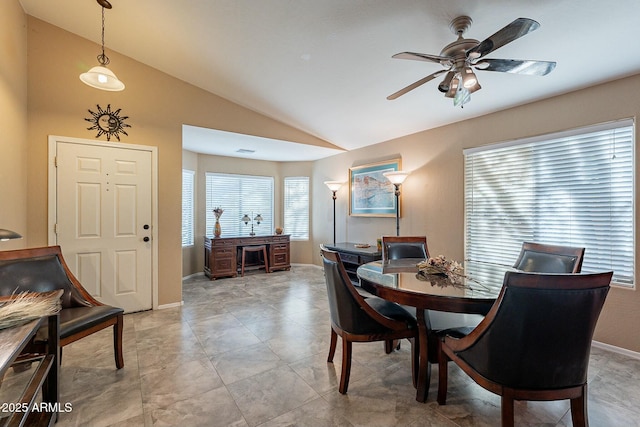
{"x": 461, "y": 57}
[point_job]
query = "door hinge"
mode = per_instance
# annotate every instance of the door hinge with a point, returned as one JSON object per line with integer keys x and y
{"x": 55, "y": 228}
{"x": 55, "y": 161}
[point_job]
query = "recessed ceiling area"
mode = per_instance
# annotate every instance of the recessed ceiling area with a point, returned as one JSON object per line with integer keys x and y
{"x": 230, "y": 144}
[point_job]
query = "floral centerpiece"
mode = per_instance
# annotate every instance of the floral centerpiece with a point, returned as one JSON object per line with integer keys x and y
{"x": 217, "y": 231}
{"x": 441, "y": 266}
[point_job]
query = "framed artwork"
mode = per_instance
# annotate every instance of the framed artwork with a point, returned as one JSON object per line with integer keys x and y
{"x": 371, "y": 193}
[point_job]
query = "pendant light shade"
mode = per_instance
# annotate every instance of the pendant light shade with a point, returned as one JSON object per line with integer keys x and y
{"x": 100, "y": 77}
{"x": 8, "y": 235}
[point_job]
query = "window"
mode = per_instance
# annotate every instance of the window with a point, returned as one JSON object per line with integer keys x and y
{"x": 296, "y": 207}
{"x": 238, "y": 195}
{"x": 187, "y": 207}
{"x": 574, "y": 188}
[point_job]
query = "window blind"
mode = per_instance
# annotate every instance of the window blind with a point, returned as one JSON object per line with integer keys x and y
{"x": 572, "y": 189}
{"x": 188, "y": 219}
{"x": 238, "y": 195}
{"x": 296, "y": 207}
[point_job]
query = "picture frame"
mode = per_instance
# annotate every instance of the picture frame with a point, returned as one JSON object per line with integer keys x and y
{"x": 370, "y": 192}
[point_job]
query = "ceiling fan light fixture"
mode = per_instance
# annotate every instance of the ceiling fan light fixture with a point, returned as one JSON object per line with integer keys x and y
{"x": 453, "y": 86}
{"x": 100, "y": 77}
{"x": 446, "y": 83}
{"x": 469, "y": 78}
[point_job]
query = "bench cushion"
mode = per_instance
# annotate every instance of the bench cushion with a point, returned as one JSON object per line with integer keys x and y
{"x": 74, "y": 320}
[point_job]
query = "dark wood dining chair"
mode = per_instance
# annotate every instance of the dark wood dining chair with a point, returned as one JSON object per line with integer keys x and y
{"x": 397, "y": 247}
{"x": 533, "y": 258}
{"x": 538, "y": 257}
{"x": 521, "y": 352}
{"x": 356, "y": 319}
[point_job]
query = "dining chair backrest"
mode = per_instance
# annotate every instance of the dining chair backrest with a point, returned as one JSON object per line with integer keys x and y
{"x": 345, "y": 303}
{"x": 519, "y": 346}
{"x": 397, "y": 247}
{"x": 541, "y": 258}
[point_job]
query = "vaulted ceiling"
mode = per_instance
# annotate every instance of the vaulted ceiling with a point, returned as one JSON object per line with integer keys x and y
{"x": 325, "y": 66}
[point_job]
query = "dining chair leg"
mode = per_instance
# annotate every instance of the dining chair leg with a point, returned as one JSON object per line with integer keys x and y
{"x": 443, "y": 376}
{"x": 390, "y": 345}
{"x": 117, "y": 341}
{"x": 579, "y": 415}
{"x": 346, "y": 365}
{"x": 415, "y": 364}
{"x": 507, "y": 408}
{"x": 332, "y": 346}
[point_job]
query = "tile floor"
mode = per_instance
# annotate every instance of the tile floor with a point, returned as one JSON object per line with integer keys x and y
{"x": 252, "y": 352}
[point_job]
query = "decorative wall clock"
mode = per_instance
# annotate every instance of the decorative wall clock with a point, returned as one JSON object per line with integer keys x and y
{"x": 108, "y": 122}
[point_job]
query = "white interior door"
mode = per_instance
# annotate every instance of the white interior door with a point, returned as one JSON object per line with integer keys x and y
{"x": 103, "y": 221}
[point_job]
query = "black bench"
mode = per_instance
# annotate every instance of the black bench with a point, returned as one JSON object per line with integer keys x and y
{"x": 44, "y": 269}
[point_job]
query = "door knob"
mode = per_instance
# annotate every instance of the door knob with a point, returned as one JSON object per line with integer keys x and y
{"x": 146, "y": 226}
{"x": 146, "y": 239}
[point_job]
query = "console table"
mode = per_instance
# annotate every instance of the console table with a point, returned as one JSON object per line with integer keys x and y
{"x": 221, "y": 253}
{"x": 45, "y": 376}
{"x": 353, "y": 257}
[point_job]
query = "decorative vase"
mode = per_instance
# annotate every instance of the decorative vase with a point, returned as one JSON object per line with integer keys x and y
{"x": 217, "y": 231}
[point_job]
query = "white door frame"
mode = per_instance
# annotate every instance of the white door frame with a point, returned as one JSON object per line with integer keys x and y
{"x": 52, "y": 187}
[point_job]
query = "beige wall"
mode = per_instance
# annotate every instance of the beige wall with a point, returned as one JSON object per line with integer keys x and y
{"x": 13, "y": 122}
{"x": 157, "y": 105}
{"x": 193, "y": 257}
{"x": 433, "y": 193}
{"x": 191, "y": 254}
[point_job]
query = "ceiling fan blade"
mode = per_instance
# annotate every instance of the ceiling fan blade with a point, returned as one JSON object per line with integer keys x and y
{"x": 421, "y": 57}
{"x": 517, "y": 66}
{"x": 511, "y": 32}
{"x": 415, "y": 85}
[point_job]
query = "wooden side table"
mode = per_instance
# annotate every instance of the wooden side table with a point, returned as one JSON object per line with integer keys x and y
{"x": 45, "y": 375}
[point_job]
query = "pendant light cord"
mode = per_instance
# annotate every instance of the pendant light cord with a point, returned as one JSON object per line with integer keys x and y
{"x": 102, "y": 58}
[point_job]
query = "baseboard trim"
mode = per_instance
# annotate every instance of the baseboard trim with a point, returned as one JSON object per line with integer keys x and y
{"x": 172, "y": 305}
{"x": 614, "y": 349}
{"x": 305, "y": 265}
{"x": 191, "y": 276}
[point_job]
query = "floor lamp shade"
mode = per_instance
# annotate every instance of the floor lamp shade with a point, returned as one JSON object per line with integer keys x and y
{"x": 397, "y": 178}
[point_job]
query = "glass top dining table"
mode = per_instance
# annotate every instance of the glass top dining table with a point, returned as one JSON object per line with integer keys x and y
{"x": 401, "y": 281}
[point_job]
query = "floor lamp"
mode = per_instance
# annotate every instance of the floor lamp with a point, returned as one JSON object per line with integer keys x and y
{"x": 397, "y": 178}
{"x": 334, "y": 186}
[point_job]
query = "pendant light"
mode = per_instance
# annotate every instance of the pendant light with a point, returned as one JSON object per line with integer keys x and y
{"x": 100, "y": 76}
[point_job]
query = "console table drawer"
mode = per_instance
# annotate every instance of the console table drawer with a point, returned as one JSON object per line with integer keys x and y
{"x": 345, "y": 257}
{"x": 224, "y": 251}
{"x": 352, "y": 257}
